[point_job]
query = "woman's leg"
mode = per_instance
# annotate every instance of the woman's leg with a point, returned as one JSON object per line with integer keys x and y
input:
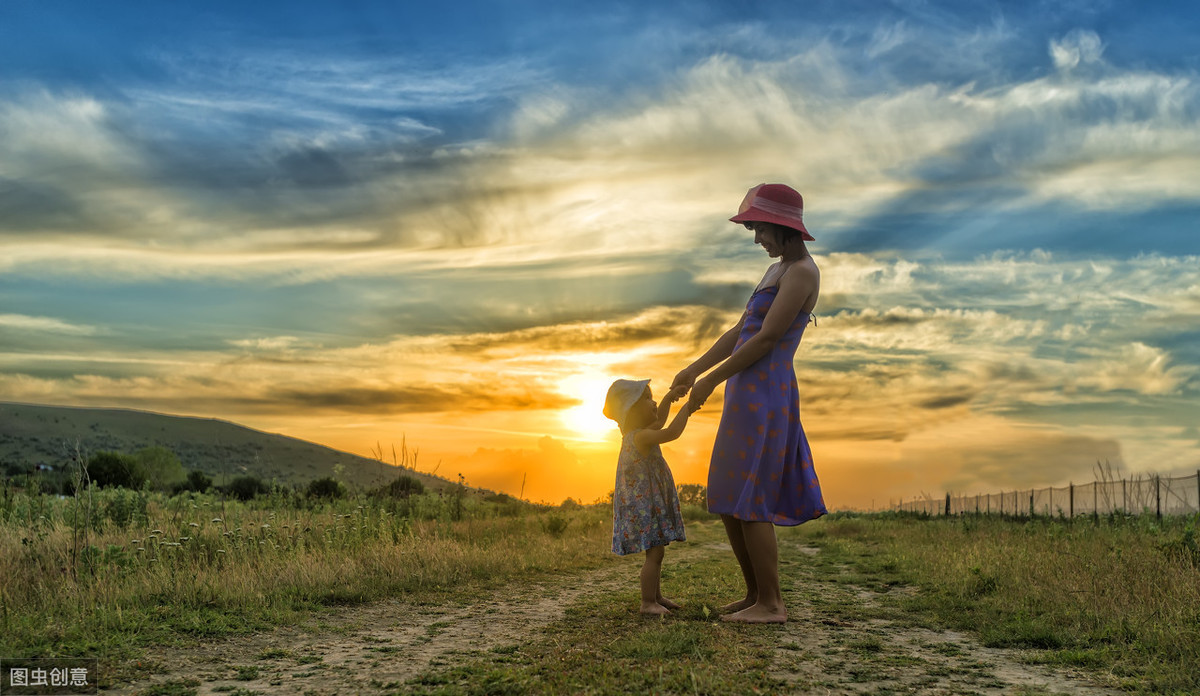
{"x": 651, "y": 571}
{"x": 763, "y": 551}
{"x": 733, "y": 530}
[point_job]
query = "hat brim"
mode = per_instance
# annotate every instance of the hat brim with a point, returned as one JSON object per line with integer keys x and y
{"x": 755, "y": 215}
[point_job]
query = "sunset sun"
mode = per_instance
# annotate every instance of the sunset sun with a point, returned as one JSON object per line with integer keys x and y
{"x": 587, "y": 420}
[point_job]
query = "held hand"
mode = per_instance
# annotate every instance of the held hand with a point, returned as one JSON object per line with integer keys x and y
{"x": 701, "y": 390}
{"x": 674, "y": 395}
{"x": 684, "y": 380}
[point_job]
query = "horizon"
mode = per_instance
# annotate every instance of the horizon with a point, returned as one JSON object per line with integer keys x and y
{"x": 357, "y": 225}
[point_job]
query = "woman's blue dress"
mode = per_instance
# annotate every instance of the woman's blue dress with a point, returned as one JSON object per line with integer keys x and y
{"x": 762, "y": 469}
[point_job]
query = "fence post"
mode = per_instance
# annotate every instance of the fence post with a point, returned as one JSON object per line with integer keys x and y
{"x": 1125, "y": 496}
{"x": 1197, "y": 490}
{"x": 1030, "y": 504}
{"x": 1158, "y": 496}
{"x": 1071, "y": 510}
{"x": 1096, "y": 502}
{"x": 947, "y": 504}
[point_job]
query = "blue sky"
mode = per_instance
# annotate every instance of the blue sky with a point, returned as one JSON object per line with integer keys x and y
{"x": 353, "y": 222}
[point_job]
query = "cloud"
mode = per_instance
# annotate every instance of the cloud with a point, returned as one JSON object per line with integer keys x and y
{"x": 20, "y": 322}
{"x": 1078, "y": 46}
{"x": 352, "y": 237}
{"x": 428, "y": 399}
{"x": 1138, "y": 368}
{"x": 343, "y": 156}
{"x": 538, "y": 473}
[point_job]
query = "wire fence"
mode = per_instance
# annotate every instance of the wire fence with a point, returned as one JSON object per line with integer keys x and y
{"x": 1151, "y": 495}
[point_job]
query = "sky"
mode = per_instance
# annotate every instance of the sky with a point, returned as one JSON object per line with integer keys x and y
{"x": 453, "y": 225}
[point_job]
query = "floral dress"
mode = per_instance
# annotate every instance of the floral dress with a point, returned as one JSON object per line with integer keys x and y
{"x": 645, "y": 503}
{"x": 762, "y": 468}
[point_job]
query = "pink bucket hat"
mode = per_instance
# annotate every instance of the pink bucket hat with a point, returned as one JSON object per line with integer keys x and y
{"x": 777, "y": 203}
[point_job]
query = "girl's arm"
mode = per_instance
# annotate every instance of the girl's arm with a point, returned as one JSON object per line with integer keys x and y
{"x": 664, "y": 407}
{"x": 795, "y": 287}
{"x": 645, "y": 439}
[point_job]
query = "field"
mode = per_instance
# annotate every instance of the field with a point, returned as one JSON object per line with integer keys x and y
{"x": 435, "y": 594}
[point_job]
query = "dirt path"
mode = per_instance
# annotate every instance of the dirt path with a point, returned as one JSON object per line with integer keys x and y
{"x": 830, "y": 650}
{"x": 825, "y": 648}
{"x": 376, "y": 646}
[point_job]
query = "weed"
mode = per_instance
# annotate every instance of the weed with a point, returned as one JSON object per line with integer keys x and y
{"x": 178, "y": 687}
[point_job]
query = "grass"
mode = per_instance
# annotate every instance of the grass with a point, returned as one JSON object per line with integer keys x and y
{"x": 1119, "y": 595}
{"x": 1114, "y": 600}
{"x": 603, "y": 646}
{"x": 195, "y": 566}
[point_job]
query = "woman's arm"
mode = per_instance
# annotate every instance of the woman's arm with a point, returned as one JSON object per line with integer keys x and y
{"x": 721, "y": 349}
{"x": 795, "y": 287}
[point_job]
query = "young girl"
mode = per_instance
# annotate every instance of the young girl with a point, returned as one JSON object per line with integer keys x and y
{"x": 645, "y": 504}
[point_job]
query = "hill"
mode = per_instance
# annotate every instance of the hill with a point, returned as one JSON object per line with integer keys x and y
{"x": 32, "y": 435}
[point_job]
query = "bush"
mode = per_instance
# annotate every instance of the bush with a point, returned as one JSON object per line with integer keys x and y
{"x": 161, "y": 467}
{"x": 327, "y": 487}
{"x": 107, "y": 469}
{"x": 693, "y": 494}
{"x": 197, "y": 481}
{"x": 404, "y": 486}
{"x": 246, "y": 487}
{"x": 555, "y": 525}
{"x": 124, "y": 506}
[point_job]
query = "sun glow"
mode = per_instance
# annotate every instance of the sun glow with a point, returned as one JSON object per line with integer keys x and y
{"x": 587, "y": 420}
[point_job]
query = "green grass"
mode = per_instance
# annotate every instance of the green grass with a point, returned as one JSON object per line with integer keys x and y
{"x": 180, "y": 687}
{"x": 1118, "y": 598}
{"x": 603, "y": 646}
{"x": 196, "y": 567}
{"x": 1119, "y": 595}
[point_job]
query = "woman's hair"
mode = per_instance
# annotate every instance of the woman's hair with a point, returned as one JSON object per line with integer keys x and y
{"x": 785, "y": 234}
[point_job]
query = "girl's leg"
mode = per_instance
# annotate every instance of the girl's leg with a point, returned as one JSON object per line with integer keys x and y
{"x": 763, "y": 551}
{"x": 658, "y": 597}
{"x": 651, "y": 571}
{"x": 733, "y": 529}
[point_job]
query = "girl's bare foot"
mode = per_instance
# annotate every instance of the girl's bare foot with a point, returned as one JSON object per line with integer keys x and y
{"x": 758, "y": 614}
{"x": 669, "y": 604}
{"x": 737, "y": 606}
{"x": 654, "y": 609}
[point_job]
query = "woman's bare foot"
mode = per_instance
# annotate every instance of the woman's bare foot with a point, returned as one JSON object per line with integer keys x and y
{"x": 669, "y": 604}
{"x": 737, "y": 606}
{"x": 758, "y": 614}
{"x": 654, "y": 609}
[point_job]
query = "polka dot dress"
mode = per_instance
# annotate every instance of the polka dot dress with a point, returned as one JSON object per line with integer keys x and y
{"x": 762, "y": 469}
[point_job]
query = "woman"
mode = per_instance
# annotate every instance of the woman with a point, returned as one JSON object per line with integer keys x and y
{"x": 762, "y": 472}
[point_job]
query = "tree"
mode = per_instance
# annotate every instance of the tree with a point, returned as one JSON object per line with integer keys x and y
{"x": 109, "y": 469}
{"x": 327, "y": 487}
{"x": 246, "y": 487}
{"x": 197, "y": 481}
{"x": 693, "y": 494}
{"x": 161, "y": 466}
{"x": 404, "y": 486}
